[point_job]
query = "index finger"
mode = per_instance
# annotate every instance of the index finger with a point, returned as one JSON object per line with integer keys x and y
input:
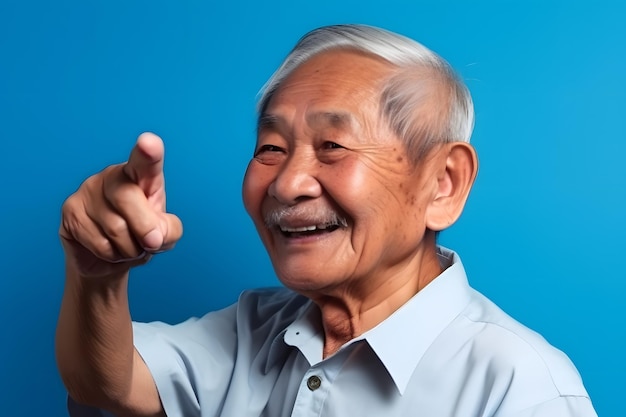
{"x": 145, "y": 163}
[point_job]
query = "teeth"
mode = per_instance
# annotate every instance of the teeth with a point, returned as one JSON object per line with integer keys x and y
{"x": 303, "y": 228}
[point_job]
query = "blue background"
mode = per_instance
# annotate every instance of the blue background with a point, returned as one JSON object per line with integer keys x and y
{"x": 542, "y": 234}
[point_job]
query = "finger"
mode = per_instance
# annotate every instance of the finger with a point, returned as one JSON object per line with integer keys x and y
{"x": 165, "y": 236}
{"x": 77, "y": 226}
{"x": 98, "y": 229}
{"x": 115, "y": 229}
{"x": 173, "y": 230}
{"x": 128, "y": 200}
{"x": 145, "y": 163}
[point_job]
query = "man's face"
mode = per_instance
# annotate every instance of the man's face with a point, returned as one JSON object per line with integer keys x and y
{"x": 330, "y": 189}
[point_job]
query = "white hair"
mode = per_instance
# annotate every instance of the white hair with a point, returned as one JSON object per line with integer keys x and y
{"x": 419, "y": 74}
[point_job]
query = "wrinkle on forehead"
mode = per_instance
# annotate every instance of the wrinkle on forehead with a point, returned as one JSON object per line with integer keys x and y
{"x": 339, "y": 121}
{"x": 342, "y": 90}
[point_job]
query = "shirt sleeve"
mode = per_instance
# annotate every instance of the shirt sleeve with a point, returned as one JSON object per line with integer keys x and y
{"x": 565, "y": 406}
{"x": 183, "y": 358}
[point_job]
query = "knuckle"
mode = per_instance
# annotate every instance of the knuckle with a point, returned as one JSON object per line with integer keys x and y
{"x": 90, "y": 184}
{"x": 103, "y": 249}
{"x": 115, "y": 228}
{"x": 71, "y": 224}
{"x": 71, "y": 220}
{"x": 69, "y": 207}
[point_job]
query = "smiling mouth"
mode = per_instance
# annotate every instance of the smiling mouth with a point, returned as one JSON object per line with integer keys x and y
{"x": 306, "y": 231}
{"x": 303, "y": 221}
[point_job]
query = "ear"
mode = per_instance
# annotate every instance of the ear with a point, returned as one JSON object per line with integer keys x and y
{"x": 454, "y": 182}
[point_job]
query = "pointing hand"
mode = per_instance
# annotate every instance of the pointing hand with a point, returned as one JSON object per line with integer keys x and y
{"x": 117, "y": 218}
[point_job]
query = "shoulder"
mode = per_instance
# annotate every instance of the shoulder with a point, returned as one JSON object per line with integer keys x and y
{"x": 489, "y": 360}
{"x": 530, "y": 360}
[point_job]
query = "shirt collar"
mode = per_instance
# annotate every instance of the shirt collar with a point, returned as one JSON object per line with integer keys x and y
{"x": 305, "y": 333}
{"x": 421, "y": 320}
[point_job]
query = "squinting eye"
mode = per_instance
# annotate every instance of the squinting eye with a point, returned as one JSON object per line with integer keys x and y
{"x": 332, "y": 145}
{"x": 268, "y": 148}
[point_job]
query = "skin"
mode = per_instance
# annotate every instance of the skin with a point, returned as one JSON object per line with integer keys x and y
{"x": 114, "y": 221}
{"x": 323, "y": 157}
{"x": 322, "y": 148}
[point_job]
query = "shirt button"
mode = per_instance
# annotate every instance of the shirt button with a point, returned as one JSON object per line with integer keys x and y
{"x": 314, "y": 382}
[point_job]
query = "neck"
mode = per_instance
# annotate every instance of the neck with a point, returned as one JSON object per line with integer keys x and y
{"x": 349, "y": 312}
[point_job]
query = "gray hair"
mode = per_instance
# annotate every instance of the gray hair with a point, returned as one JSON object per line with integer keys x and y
{"x": 420, "y": 74}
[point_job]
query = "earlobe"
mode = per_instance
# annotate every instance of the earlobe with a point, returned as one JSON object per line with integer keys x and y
{"x": 453, "y": 186}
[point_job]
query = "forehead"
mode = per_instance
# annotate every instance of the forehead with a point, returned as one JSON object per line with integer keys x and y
{"x": 334, "y": 88}
{"x": 339, "y": 120}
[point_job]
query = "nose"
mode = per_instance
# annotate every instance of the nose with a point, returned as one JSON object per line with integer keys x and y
{"x": 296, "y": 180}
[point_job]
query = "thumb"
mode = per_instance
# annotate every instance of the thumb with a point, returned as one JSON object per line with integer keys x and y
{"x": 172, "y": 230}
{"x": 162, "y": 238}
{"x": 145, "y": 163}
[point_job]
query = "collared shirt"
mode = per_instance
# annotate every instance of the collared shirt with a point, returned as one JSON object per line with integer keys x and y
{"x": 448, "y": 352}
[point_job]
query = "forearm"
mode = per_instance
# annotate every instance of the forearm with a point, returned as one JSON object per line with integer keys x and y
{"x": 94, "y": 343}
{"x": 113, "y": 222}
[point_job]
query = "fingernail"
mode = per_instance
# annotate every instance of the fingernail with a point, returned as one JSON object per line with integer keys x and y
{"x": 153, "y": 240}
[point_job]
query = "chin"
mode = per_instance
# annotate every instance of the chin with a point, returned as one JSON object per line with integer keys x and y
{"x": 305, "y": 284}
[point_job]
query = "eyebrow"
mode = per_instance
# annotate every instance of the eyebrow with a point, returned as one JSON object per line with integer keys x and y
{"x": 339, "y": 120}
{"x": 268, "y": 121}
{"x": 336, "y": 119}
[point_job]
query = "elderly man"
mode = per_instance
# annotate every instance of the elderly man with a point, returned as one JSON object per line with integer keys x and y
{"x": 362, "y": 156}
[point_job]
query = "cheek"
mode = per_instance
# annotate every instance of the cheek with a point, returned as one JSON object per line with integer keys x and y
{"x": 382, "y": 197}
{"x": 359, "y": 188}
{"x": 351, "y": 179}
{"x": 254, "y": 189}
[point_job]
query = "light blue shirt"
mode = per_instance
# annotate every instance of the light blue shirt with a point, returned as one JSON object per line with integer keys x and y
{"x": 448, "y": 352}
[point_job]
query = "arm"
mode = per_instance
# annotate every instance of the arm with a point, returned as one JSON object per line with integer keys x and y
{"x": 115, "y": 221}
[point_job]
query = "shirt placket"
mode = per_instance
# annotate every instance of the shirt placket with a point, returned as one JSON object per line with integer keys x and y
{"x": 314, "y": 389}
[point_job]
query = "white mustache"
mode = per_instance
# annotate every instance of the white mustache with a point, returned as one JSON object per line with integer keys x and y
{"x": 312, "y": 215}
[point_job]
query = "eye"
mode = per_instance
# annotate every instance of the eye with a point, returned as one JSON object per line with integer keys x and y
{"x": 270, "y": 154}
{"x": 331, "y": 145}
{"x": 268, "y": 148}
